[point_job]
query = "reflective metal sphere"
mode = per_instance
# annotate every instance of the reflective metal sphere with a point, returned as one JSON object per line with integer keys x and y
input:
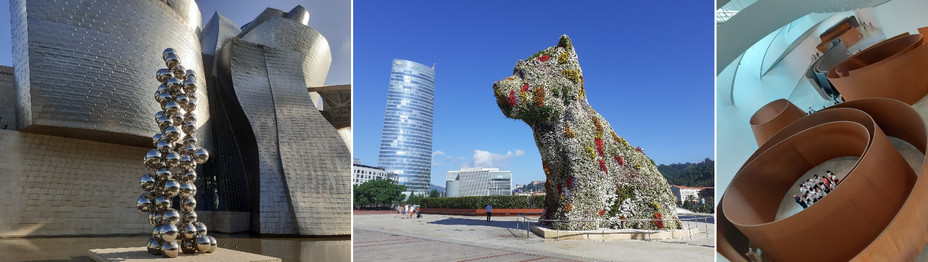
{"x": 171, "y": 61}
{"x": 172, "y": 134}
{"x": 156, "y": 233}
{"x": 177, "y": 119}
{"x": 190, "y": 141}
{"x": 157, "y": 137}
{"x": 190, "y": 117}
{"x": 186, "y": 190}
{"x": 190, "y": 216}
{"x": 162, "y": 174}
{"x": 151, "y": 219}
{"x": 162, "y": 75}
{"x": 164, "y": 55}
{"x": 192, "y": 105}
{"x": 171, "y": 108}
{"x": 180, "y": 149}
{"x": 153, "y": 159}
{"x": 164, "y": 122}
{"x": 163, "y": 98}
{"x": 147, "y": 182}
{"x": 169, "y": 232}
{"x": 191, "y": 176}
{"x": 171, "y": 216}
{"x": 180, "y": 72}
{"x": 191, "y": 73}
{"x": 212, "y": 244}
{"x": 190, "y": 85}
{"x": 192, "y": 95}
{"x": 203, "y": 244}
{"x": 189, "y": 205}
{"x": 187, "y": 246}
{"x": 189, "y": 231}
{"x": 189, "y": 127}
{"x": 170, "y": 249}
{"x": 164, "y": 147}
{"x": 143, "y": 204}
{"x": 171, "y": 188}
{"x": 186, "y": 162}
{"x": 162, "y": 203}
{"x": 189, "y": 150}
{"x": 171, "y": 159}
{"x": 201, "y": 229}
{"x": 153, "y": 247}
{"x": 201, "y": 156}
{"x": 181, "y": 99}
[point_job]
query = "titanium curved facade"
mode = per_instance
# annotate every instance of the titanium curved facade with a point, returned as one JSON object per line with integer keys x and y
{"x": 297, "y": 166}
{"x": 406, "y": 143}
{"x": 84, "y": 68}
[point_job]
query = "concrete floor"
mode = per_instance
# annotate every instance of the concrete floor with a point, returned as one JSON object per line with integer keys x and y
{"x": 75, "y": 248}
{"x": 448, "y": 235}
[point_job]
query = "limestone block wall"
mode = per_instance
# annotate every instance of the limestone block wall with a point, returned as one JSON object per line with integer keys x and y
{"x": 53, "y": 186}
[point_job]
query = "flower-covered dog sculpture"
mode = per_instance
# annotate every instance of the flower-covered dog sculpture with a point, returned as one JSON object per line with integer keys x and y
{"x": 592, "y": 173}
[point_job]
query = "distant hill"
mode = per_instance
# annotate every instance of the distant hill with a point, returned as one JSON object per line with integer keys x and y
{"x": 440, "y": 188}
{"x": 700, "y": 174}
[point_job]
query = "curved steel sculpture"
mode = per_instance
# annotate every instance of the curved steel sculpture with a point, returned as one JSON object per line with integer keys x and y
{"x": 887, "y": 69}
{"x": 173, "y": 160}
{"x": 770, "y": 118}
{"x": 862, "y": 228}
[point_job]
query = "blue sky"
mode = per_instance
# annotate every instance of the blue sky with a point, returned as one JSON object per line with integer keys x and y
{"x": 332, "y": 18}
{"x": 648, "y": 67}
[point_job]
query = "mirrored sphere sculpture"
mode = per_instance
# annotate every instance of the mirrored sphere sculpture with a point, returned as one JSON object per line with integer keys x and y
{"x": 173, "y": 160}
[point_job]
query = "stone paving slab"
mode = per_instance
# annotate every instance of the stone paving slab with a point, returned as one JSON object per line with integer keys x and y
{"x": 372, "y": 245}
{"x": 140, "y": 254}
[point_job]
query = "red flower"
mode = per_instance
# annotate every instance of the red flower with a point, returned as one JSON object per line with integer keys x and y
{"x": 602, "y": 212}
{"x": 544, "y": 58}
{"x": 524, "y": 87}
{"x": 599, "y": 146}
{"x": 602, "y": 165}
{"x": 570, "y": 182}
{"x": 512, "y": 98}
{"x": 658, "y": 223}
{"x": 639, "y": 149}
{"x": 620, "y": 160}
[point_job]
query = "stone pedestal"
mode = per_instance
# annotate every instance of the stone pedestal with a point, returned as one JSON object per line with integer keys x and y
{"x": 134, "y": 254}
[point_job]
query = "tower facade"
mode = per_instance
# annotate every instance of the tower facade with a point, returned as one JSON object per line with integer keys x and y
{"x": 406, "y": 143}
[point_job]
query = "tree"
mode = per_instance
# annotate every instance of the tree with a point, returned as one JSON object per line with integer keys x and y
{"x": 434, "y": 193}
{"x": 415, "y": 199}
{"x": 378, "y": 193}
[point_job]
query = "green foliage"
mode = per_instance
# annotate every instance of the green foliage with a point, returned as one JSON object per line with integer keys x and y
{"x": 478, "y": 202}
{"x": 537, "y": 54}
{"x": 378, "y": 193}
{"x": 689, "y": 174}
{"x": 415, "y": 199}
{"x": 622, "y": 193}
{"x": 708, "y": 207}
{"x": 434, "y": 193}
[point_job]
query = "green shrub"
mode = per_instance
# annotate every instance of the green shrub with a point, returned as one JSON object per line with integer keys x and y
{"x": 479, "y": 202}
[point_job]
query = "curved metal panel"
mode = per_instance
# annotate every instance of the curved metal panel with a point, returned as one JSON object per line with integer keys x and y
{"x": 89, "y": 76}
{"x": 888, "y": 227}
{"x": 885, "y": 70}
{"x": 770, "y": 118}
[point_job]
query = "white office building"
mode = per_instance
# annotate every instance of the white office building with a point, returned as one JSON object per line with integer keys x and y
{"x": 363, "y": 173}
{"x": 478, "y": 182}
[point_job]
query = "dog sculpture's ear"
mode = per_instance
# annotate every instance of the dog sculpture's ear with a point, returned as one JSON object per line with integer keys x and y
{"x": 565, "y": 42}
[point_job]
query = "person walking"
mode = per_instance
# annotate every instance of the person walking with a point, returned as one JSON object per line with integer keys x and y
{"x": 489, "y": 212}
{"x": 799, "y": 201}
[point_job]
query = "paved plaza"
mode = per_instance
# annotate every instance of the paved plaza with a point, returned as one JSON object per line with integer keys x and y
{"x": 386, "y": 237}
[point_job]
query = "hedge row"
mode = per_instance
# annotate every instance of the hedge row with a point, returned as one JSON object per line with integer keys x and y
{"x": 479, "y": 202}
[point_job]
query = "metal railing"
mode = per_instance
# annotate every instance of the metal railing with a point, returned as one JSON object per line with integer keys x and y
{"x": 526, "y": 222}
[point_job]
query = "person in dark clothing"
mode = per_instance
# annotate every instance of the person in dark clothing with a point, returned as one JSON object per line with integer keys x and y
{"x": 800, "y": 202}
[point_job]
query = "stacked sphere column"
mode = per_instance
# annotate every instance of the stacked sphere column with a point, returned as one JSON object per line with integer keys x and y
{"x": 174, "y": 161}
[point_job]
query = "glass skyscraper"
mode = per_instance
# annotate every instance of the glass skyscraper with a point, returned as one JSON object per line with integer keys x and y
{"x": 406, "y": 144}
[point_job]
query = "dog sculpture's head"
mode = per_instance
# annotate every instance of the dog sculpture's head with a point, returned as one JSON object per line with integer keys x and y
{"x": 543, "y": 86}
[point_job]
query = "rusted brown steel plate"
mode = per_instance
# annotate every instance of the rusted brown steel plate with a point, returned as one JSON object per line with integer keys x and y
{"x": 772, "y": 117}
{"x": 876, "y": 214}
{"x": 891, "y": 69}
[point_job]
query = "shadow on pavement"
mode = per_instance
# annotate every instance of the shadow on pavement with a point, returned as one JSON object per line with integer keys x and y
{"x": 481, "y": 221}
